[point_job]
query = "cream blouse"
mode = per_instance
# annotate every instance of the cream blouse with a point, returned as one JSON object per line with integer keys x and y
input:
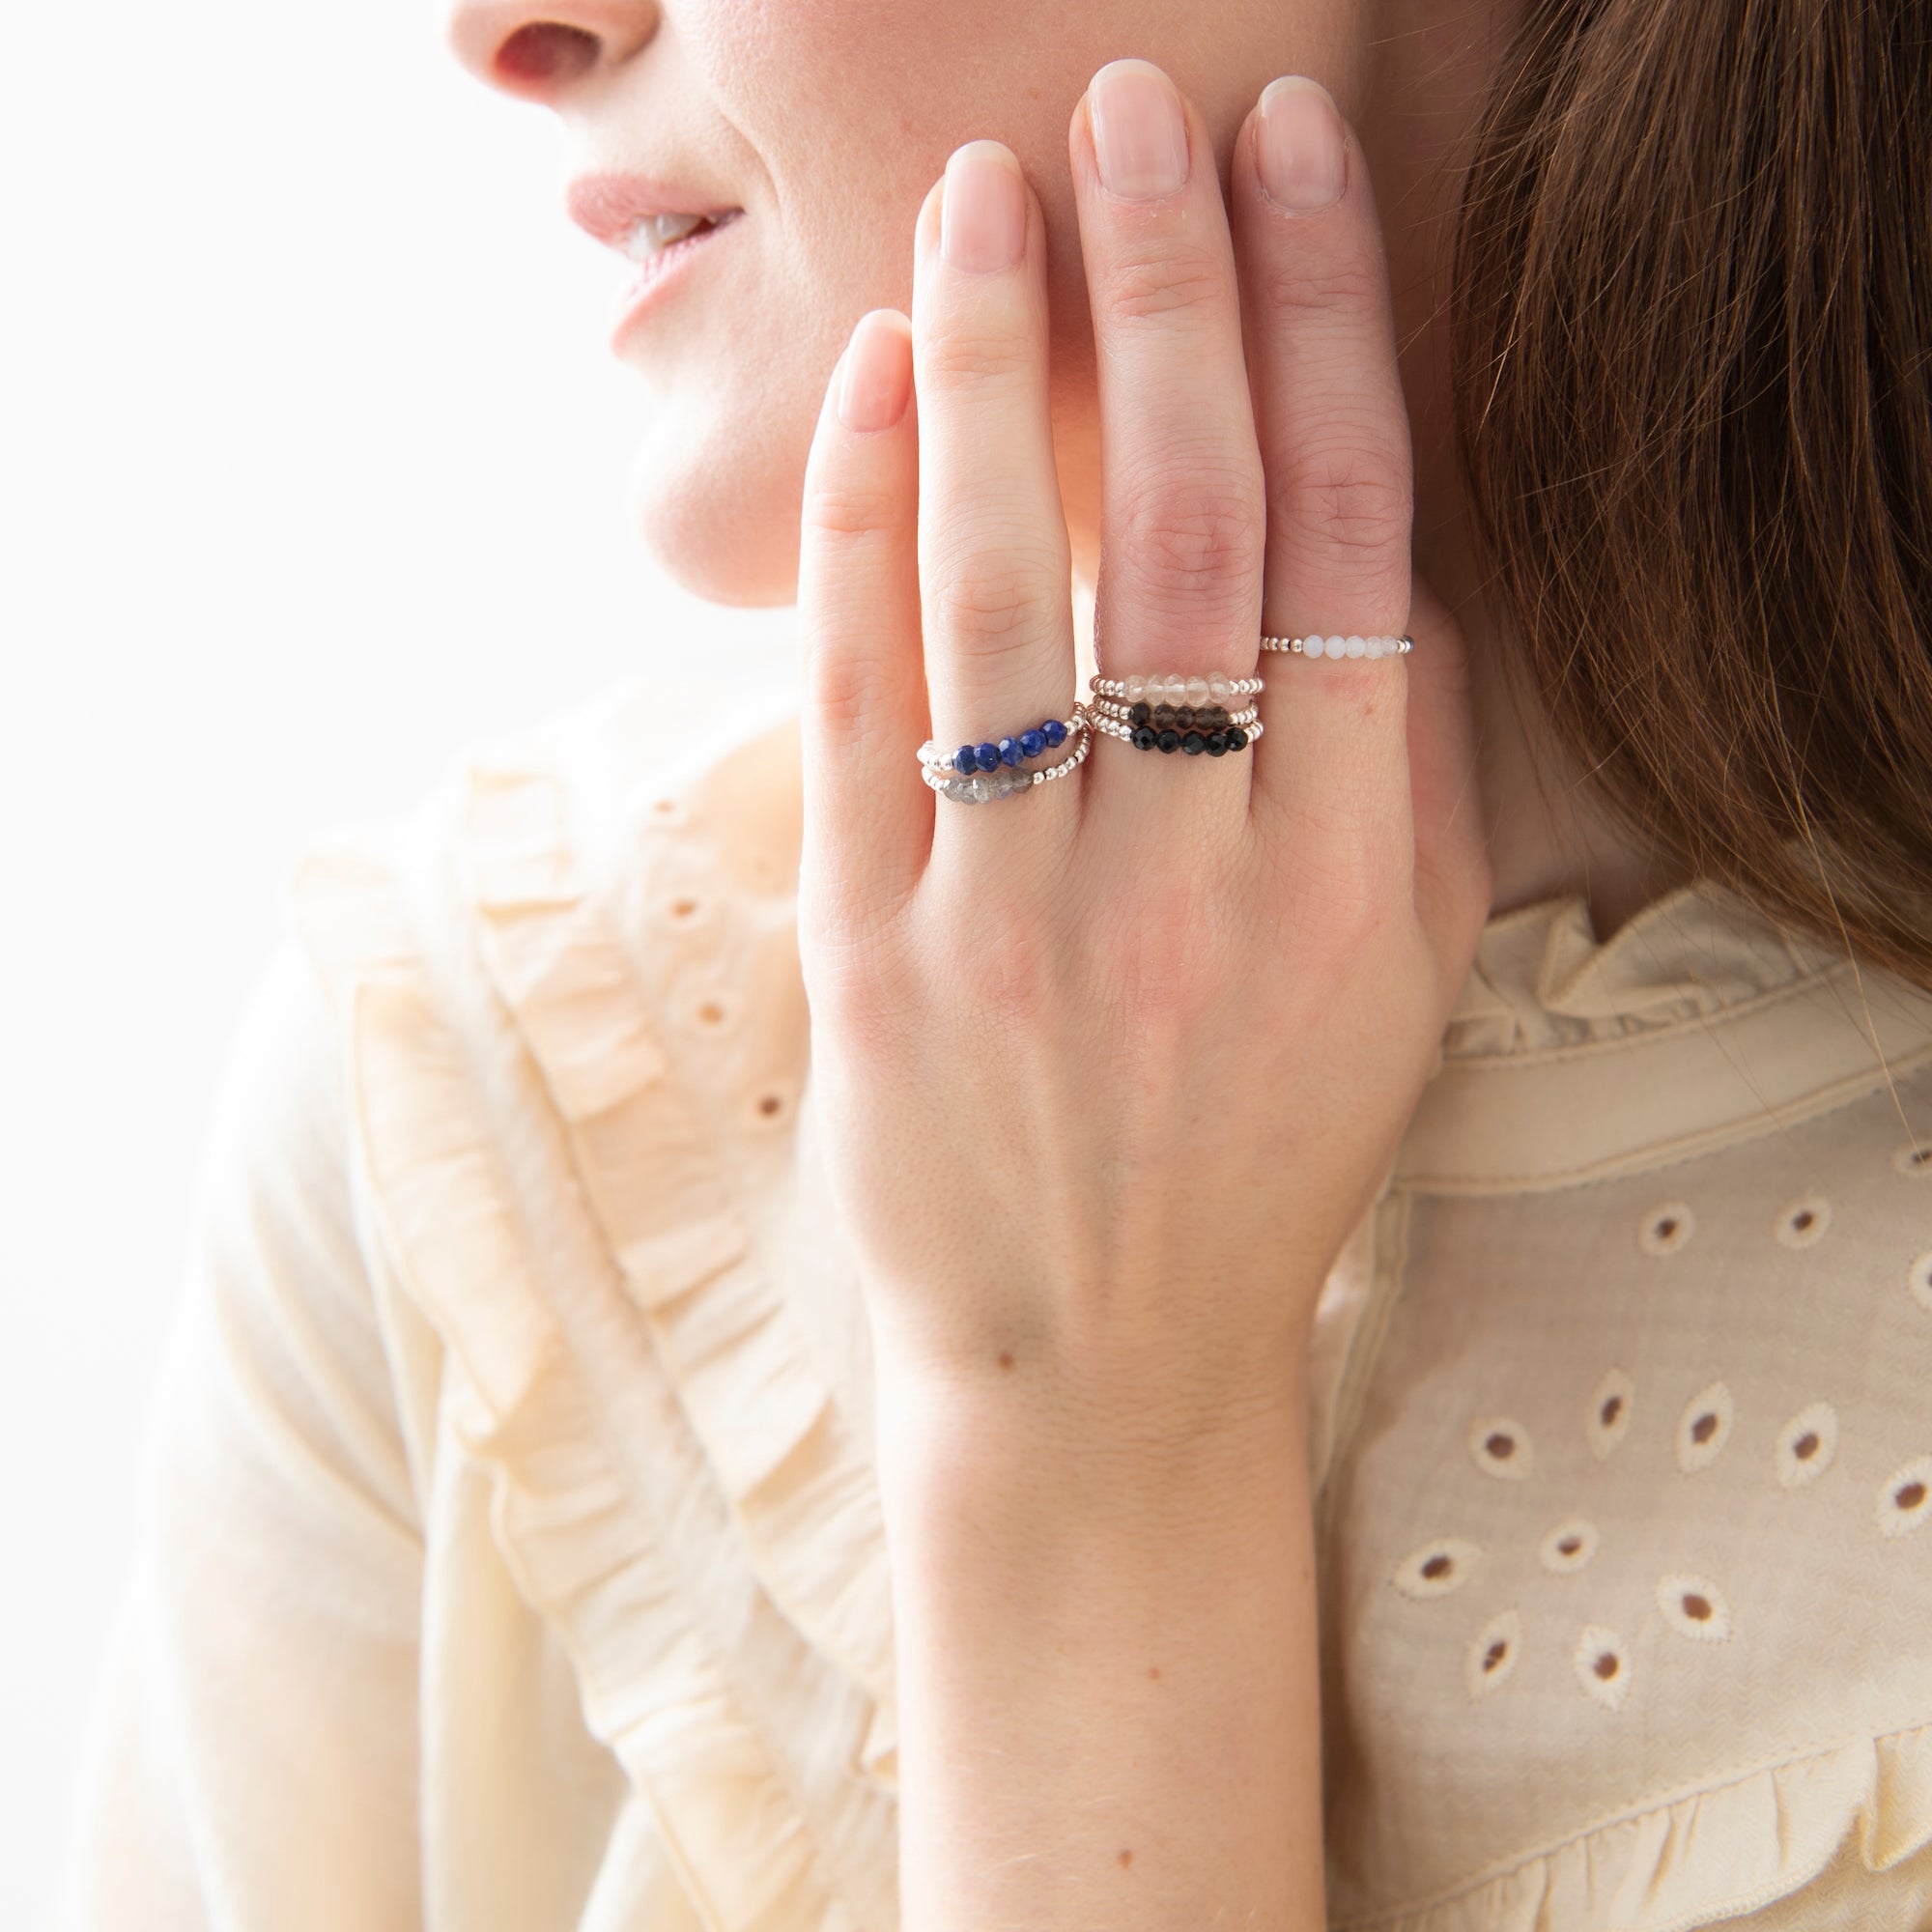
{"x": 513, "y": 1557}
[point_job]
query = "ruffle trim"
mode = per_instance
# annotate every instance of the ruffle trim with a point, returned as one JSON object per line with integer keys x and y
{"x": 1542, "y": 979}
{"x": 1707, "y": 1856}
{"x": 674, "y": 1485}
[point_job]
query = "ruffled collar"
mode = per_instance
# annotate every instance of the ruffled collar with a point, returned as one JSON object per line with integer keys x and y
{"x": 1542, "y": 979}
{"x": 1698, "y": 1022}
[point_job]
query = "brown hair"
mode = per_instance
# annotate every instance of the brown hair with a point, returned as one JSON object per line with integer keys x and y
{"x": 1692, "y": 339}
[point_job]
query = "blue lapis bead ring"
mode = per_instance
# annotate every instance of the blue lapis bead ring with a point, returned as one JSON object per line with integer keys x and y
{"x": 977, "y": 774}
{"x": 989, "y": 755}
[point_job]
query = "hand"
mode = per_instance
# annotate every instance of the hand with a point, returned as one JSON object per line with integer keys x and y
{"x": 1108, "y": 1071}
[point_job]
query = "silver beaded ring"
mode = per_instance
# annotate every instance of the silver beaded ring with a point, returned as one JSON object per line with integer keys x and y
{"x": 1116, "y": 707}
{"x": 1179, "y": 687}
{"x": 1113, "y": 728}
{"x": 1163, "y": 713}
{"x": 1351, "y": 646}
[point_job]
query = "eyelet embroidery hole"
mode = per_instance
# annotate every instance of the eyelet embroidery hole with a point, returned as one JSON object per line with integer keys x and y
{"x": 1437, "y": 1567}
{"x": 683, "y": 909}
{"x": 1914, "y": 1159}
{"x": 1492, "y": 1655}
{"x": 1608, "y": 1414}
{"x": 1501, "y": 1448}
{"x": 713, "y": 1011}
{"x": 1569, "y": 1547}
{"x": 1603, "y": 1666}
{"x": 1803, "y": 1222}
{"x": 769, "y": 1107}
{"x": 1693, "y": 1607}
{"x": 1666, "y": 1228}
{"x": 1704, "y": 1428}
{"x": 1920, "y": 1280}
{"x": 1807, "y": 1445}
{"x": 1904, "y": 1496}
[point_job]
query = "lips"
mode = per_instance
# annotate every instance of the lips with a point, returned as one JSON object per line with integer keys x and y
{"x": 659, "y": 226}
{"x": 613, "y": 206}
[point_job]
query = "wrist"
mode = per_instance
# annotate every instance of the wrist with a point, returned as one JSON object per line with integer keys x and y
{"x": 1037, "y": 1454}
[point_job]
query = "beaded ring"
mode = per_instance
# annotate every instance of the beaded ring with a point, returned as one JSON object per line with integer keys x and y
{"x": 1047, "y": 735}
{"x": 1004, "y": 779}
{"x": 1178, "y": 713}
{"x": 1340, "y": 647}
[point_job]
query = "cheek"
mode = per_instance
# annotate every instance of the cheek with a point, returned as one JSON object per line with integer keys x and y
{"x": 845, "y": 113}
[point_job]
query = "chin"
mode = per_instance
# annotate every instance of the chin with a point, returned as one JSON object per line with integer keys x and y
{"x": 717, "y": 502}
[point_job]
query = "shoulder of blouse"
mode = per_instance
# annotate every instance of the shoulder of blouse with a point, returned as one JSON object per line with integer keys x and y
{"x": 576, "y": 1041}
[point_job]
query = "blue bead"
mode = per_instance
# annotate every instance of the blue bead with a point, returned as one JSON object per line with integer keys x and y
{"x": 988, "y": 756}
{"x": 1009, "y": 752}
{"x": 965, "y": 761}
{"x": 1032, "y": 744}
{"x": 1054, "y": 733}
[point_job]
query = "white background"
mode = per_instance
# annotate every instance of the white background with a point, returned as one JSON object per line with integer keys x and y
{"x": 312, "y": 473}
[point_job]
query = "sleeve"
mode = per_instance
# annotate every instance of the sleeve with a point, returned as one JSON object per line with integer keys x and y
{"x": 250, "y": 1754}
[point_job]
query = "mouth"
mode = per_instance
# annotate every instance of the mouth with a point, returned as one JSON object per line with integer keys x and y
{"x": 656, "y": 226}
{"x": 653, "y": 240}
{"x": 661, "y": 245}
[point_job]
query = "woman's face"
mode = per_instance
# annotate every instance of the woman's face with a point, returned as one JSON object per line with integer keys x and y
{"x": 825, "y": 122}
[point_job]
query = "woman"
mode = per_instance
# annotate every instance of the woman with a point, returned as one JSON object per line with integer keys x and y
{"x": 1333, "y": 1330}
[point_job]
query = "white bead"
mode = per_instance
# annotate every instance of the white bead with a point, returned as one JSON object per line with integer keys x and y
{"x": 1133, "y": 689}
{"x": 1311, "y": 647}
{"x": 1197, "y": 690}
{"x": 1371, "y": 647}
{"x": 1220, "y": 687}
{"x": 1356, "y": 646}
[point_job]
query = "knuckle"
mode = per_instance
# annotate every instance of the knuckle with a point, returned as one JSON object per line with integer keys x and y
{"x": 1009, "y": 985}
{"x": 1193, "y": 540}
{"x": 1351, "y": 496}
{"x": 955, "y": 356}
{"x": 1164, "y": 285}
{"x": 986, "y": 609}
{"x": 1347, "y": 289}
{"x": 984, "y": 605}
{"x": 847, "y": 511}
{"x": 1165, "y": 963}
{"x": 1348, "y": 899}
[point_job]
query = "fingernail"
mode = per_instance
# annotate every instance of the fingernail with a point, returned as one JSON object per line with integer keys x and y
{"x": 1299, "y": 147}
{"x": 877, "y": 383}
{"x": 1140, "y": 135}
{"x": 983, "y": 213}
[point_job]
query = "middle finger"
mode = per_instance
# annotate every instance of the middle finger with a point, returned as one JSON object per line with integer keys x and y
{"x": 1184, "y": 503}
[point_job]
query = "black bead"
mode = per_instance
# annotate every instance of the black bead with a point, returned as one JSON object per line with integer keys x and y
{"x": 1194, "y": 744}
{"x": 1140, "y": 713}
{"x": 1144, "y": 737}
{"x": 1168, "y": 740}
{"x": 1217, "y": 744}
{"x": 1237, "y": 739}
